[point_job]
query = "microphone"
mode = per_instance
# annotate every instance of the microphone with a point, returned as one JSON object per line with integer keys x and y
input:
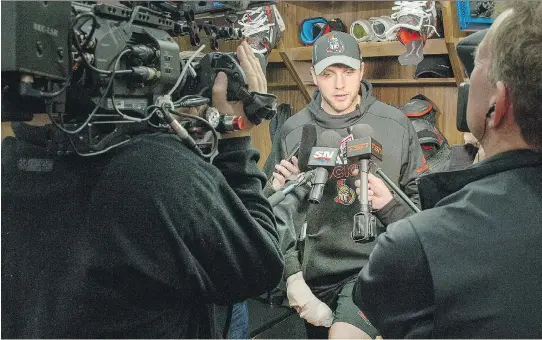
{"x": 302, "y": 179}
{"x": 323, "y": 157}
{"x": 363, "y": 130}
{"x": 308, "y": 141}
{"x": 362, "y": 149}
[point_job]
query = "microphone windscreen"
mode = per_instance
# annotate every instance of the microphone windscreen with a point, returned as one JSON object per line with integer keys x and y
{"x": 308, "y": 141}
{"x": 330, "y": 139}
{"x": 362, "y": 130}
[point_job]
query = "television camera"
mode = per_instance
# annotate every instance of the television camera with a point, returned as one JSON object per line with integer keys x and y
{"x": 105, "y": 71}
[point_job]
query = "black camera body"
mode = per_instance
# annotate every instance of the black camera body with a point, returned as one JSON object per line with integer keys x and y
{"x": 213, "y": 63}
{"x": 39, "y": 54}
{"x": 153, "y": 57}
{"x": 96, "y": 66}
{"x": 35, "y": 55}
{"x": 46, "y": 44}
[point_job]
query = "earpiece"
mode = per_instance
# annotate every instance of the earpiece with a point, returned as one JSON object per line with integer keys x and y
{"x": 490, "y": 111}
{"x": 488, "y": 114}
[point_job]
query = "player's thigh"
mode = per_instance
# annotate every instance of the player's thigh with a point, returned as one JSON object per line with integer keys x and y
{"x": 348, "y": 320}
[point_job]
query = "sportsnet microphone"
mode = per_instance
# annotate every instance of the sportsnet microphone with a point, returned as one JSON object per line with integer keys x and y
{"x": 323, "y": 157}
{"x": 361, "y": 150}
{"x": 308, "y": 141}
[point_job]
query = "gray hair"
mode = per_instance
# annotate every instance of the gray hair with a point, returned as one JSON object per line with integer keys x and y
{"x": 516, "y": 60}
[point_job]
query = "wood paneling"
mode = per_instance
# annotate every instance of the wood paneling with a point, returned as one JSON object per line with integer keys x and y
{"x": 457, "y": 66}
{"x": 301, "y": 73}
{"x": 278, "y": 73}
{"x": 7, "y": 131}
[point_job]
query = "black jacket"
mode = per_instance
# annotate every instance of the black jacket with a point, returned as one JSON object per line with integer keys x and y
{"x": 469, "y": 265}
{"x": 135, "y": 243}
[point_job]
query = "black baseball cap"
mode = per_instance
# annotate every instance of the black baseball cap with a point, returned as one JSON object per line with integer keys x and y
{"x": 434, "y": 66}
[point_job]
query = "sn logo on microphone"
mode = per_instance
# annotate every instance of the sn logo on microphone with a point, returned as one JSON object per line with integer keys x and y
{"x": 323, "y": 156}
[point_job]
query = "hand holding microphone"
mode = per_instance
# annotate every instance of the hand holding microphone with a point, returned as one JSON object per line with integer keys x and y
{"x": 295, "y": 165}
{"x": 361, "y": 150}
{"x": 365, "y": 148}
{"x": 378, "y": 193}
{"x": 293, "y": 172}
{"x": 283, "y": 171}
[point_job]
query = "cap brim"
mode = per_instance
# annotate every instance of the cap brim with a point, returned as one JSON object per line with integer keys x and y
{"x": 338, "y": 59}
{"x": 433, "y": 74}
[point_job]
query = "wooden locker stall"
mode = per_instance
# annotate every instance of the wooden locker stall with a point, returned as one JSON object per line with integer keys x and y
{"x": 289, "y": 78}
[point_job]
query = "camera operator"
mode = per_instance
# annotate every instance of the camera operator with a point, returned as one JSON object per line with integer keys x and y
{"x": 136, "y": 242}
{"x": 469, "y": 265}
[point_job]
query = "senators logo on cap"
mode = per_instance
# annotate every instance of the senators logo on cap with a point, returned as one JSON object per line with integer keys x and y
{"x": 335, "y": 45}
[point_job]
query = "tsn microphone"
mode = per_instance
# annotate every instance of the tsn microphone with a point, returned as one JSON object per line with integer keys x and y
{"x": 323, "y": 157}
{"x": 361, "y": 150}
{"x": 364, "y": 130}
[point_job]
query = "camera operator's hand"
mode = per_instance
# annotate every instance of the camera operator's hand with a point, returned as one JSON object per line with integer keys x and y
{"x": 256, "y": 83}
{"x": 379, "y": 194}
{"x": 193, "y": 111}
{"x": 284, "y": 170}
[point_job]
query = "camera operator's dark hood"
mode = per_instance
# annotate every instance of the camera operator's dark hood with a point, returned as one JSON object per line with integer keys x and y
{"x": 467, "y": 46}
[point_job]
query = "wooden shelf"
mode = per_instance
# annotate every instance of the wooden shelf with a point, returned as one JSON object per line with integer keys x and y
{"x": 274, "y": 57}
{"x": 399, "y": 82}
{"x": 283, "y": 84}
{"x": 368, "y": 50}
{"x": 421, "y": 81}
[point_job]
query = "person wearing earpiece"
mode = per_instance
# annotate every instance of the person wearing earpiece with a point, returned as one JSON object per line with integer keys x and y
{"x": 468, "y": 265}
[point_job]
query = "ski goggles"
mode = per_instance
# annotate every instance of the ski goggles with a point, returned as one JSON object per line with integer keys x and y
{"x": 312, "y": 29}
